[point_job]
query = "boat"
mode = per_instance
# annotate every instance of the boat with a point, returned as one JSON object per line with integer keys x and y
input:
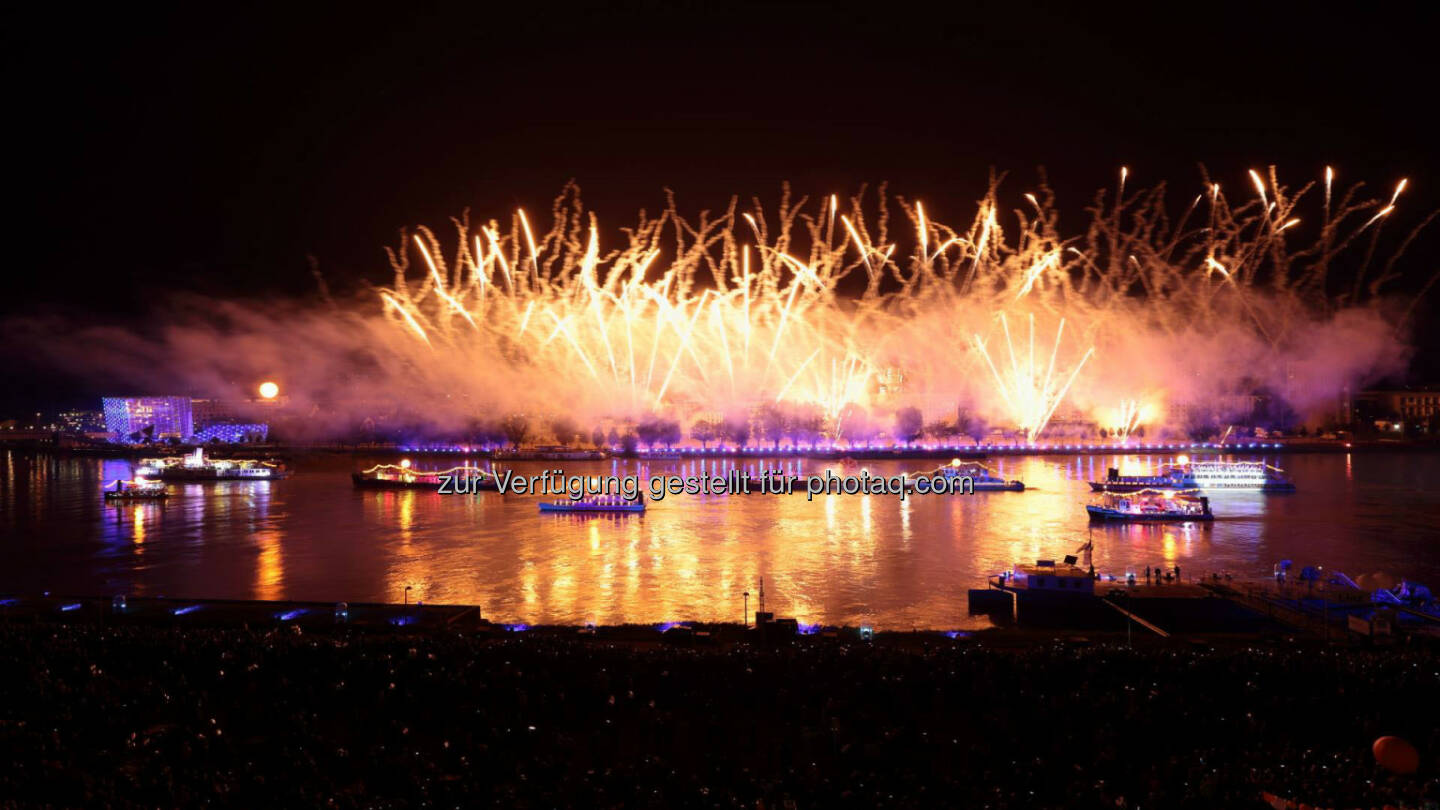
{"x": 138, "y": 489}
{"x": 603, "y": 505}
{"x": 454, "y": 481}
{"x": 1171, "y": 478}
{"x": 1151, "y": 505}
{"x": 982, "y": 478}
{"x": 1186, "y": 474}
{"x": 1249, "y": 475}
{"x": 196, "y": 467}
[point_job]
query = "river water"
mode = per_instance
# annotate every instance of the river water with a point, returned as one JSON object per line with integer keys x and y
{"x": 839, "y": 559}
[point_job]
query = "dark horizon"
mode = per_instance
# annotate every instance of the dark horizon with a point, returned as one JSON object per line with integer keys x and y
{"x": 215, "y": 154}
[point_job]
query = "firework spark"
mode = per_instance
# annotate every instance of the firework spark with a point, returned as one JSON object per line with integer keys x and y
{"x": 812, "y": 304}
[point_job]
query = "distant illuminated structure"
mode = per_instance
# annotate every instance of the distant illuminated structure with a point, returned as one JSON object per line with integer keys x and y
{"x": 233, "y": 432}
{"x": 129, "y": 418}
{"x": 229, "y": 421}
{"x": 80, "y": 421}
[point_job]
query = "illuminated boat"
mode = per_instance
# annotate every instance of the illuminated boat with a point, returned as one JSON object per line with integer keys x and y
{"x": 1186, "y": 474}
{"x": 1249, "y": 475}
{"x": 605, "y": 505}
{"x": 456, "y": 480}
{"x": 196, "y": 467}
{"x": 1150, "y": 505}
{"x": 1169, "y": 478}
{"x": 139, "y": 489}
{"x": 982, "y": 478}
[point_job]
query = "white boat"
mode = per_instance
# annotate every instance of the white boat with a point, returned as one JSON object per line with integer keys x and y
{"x": 1238, "y": 475}
{"x": 1209, "y": 475}
{"x": 196, "y": 467}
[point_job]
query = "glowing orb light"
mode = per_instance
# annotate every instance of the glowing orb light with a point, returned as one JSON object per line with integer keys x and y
{"x": 405, "y": 462}
{"x": 269, "y": 390}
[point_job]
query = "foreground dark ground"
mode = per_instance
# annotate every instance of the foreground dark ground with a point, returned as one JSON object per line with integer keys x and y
{"x": 140, "y": 716}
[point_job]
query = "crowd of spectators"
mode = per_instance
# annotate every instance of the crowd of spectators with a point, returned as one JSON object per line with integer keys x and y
{"x": 131, "y": 716}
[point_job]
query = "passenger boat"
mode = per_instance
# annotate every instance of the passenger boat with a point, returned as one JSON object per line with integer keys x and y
{"x": 139, "y": 489}
{"x": 1251, "y": 475}
{"x": 196, "y": 467}
{"x": 1150, "y": 505}
{"x": 1169, "y": 478}
{"x": 1186, "y": 474}
{"x": 983, "y": 478}
{"x": 456, "y": 480}
{"x": 603, "y": 505}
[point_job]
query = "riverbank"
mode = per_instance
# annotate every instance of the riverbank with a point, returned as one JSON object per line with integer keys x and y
{"x": 1183, "y": 614}
{"x": 941, "y": 453}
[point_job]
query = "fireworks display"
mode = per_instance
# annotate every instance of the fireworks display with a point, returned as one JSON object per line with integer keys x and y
{"x": 825, "y": 319}
{"x": 831, "y": 307}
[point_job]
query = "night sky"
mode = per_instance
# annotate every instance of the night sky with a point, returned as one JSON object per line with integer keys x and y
{"x": 213, "y": 149}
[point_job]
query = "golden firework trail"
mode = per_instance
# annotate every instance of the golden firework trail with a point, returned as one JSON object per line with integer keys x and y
{"x": 811, "y": 304}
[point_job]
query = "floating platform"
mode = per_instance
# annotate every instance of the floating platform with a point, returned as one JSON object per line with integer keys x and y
{"x": 593, "y": 507}
{"x": 1115, "y": 605}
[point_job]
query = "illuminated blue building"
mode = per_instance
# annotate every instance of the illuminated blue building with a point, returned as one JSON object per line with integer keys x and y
{"x": 148, "y": 417}
{"x": 231, "y": 432}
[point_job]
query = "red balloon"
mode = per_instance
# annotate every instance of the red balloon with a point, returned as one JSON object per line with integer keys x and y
{"x": 1396, "y": 755}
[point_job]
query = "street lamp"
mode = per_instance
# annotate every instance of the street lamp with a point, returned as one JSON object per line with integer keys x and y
{"x": 407, "y": 595}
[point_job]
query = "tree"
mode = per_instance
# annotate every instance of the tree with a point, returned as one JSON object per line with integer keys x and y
{"x": 856, "y": 426}
{"x": 564, "y": 429}
{"x": 516, "y": 428}
{"x": 735, "y": 429}
{"x": 807, "y": 424}
{"x": 597, "y": 437}
{"x": 909, "y": 424}
{"x": 942, "y": 429}
{"x": 975, "y": 427}
{"x": 670, "y": 433}
{"x": 612, "y": 439}
{"x": 1200, "y": 429}
{"x": 654, "y": 430}
{"x": 705, "y": 430}
{"x": 773, "y": 422}
{"x": 628, "y": 443}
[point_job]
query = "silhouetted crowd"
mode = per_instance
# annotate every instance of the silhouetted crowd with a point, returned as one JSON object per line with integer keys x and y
{"x": 148, "y": 717}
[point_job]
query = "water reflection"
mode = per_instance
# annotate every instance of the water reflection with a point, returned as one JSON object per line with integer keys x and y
{"x": 836, "y": 558}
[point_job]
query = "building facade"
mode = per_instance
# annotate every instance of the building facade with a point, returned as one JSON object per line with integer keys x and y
{"x": 137, "y": 418}
{"x": 1398, "y": 409}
